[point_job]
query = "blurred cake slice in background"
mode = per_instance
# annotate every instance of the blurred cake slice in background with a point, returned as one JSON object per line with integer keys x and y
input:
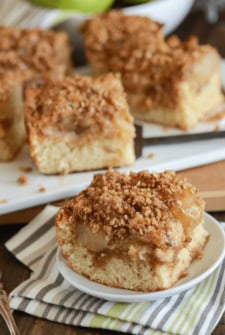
{"x": 25, "y": 54}
{"x": 139, "y": 231}
{"x": 184, "y": 85}
{"x": 37, "y": 50}
{"x": 169, "y": 82}
{"x": 79, "y": 123}
{"x": 12, "y": 130}
{"x": 110, "y": 34}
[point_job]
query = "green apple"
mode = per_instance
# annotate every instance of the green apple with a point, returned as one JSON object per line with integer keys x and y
{"x": 84, "y": 6}
{"x": 136, "y": 2}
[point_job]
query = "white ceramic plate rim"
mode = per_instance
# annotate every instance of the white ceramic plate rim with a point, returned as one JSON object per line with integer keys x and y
{"x": 114, "y": 294}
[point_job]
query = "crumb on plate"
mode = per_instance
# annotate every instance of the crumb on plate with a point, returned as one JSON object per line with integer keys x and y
{"x": 26, "y": 169}
{"x": 151, "y": 155}
{"x": 22, "y": 180}
{"x": 3, "y": 201}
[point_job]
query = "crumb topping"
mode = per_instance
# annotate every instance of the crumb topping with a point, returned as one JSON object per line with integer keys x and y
{"x": 149, "y": 65}
{"x": 108, "y": 31}
{"x": 35, "y": 48}
{"x": 148, "y": 206}
{"x": 76, "y": 105}
{"x": 30, "y": 51}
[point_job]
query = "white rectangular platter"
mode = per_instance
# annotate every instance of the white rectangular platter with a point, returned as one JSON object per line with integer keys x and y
{"x": 14, "y": 196}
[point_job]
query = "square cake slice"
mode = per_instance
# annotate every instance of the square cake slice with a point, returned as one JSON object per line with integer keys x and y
{"x": 139, "y": 231}
{"x": 25, "y": 54}
{"x": 169, "y": 82}
{"x": 182, "y": 86}
{"x": 79, "y": 123}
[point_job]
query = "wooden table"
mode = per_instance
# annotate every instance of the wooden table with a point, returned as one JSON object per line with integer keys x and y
{"x": 15, "y": 273}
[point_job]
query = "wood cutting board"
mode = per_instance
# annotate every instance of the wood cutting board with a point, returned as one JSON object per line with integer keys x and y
{"x": 209, "y": 179}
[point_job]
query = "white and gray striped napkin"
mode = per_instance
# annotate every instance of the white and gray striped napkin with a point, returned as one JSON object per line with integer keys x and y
{"x": 21, "y": 13}
{"x": 47, "y": 295}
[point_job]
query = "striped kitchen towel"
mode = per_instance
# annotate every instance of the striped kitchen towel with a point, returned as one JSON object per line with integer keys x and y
{"x": 47, "y": 295}
{"x": 22, "y": 13}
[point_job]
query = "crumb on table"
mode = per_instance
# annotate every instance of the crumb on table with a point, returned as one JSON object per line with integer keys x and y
{"x": 42, "y": 189}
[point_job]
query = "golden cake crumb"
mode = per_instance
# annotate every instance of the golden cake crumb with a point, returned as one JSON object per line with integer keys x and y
{"x": 151, "y": 155}
{"x": 42, "y": 189}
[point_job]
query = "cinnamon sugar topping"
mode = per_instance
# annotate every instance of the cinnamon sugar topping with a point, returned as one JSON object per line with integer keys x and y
{"x": 33, "y": 48}
{"x": 76, "y": 105}
{"x": 147, "y": 206}
{"x": 110, "y": 30}
{"x": 29, "y": 52}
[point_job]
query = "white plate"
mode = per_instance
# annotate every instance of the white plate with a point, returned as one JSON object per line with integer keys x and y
{"x": 198, "y": 271}
{"x": 13, "y": 196}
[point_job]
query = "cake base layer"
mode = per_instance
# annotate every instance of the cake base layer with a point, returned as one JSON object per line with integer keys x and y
{"x": 113, "y": 269}
{"x": 65, "y": 156}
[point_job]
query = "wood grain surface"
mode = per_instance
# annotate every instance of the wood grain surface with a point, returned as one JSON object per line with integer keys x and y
{"x": 210, "y": 180}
